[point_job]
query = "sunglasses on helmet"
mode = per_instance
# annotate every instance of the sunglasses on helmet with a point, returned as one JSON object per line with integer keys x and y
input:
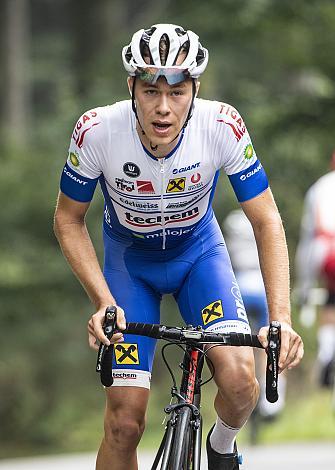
{"x": 173, "y": 75}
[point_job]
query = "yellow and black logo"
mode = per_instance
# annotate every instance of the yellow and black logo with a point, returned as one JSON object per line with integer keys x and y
{"x": 212, "y": 312}
{"x": 74, "y": 158}
{"x": 176, "y": 185}
{"x": 126, "y": 353}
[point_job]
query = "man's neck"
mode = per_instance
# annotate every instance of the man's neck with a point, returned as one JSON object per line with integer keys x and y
{"x": 162, "y": 150}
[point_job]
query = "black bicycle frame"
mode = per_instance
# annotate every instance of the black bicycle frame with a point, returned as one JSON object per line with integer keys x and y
{"x": 189, "y": 396}
{"x": 184, "y": 426}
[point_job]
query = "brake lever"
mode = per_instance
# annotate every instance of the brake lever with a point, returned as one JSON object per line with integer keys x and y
{"x": 105, "y": 353}
{"x": 272, "y": 368}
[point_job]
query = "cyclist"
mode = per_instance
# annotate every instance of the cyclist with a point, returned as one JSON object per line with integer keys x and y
{"x": 157, "y": 158}
{"x": 242, "y": 249}
{"x": 315, "y": 262}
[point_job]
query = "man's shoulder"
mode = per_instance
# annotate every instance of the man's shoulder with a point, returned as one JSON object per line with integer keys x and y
{"x": 205, "y": 106}
{"x": 219, "y": 112}
{"x": 118, "y": 112}
{"x": 206, "y": 113}
{"x": 94, "y": 124}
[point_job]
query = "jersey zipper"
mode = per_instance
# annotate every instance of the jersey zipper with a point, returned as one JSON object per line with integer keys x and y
{"x": 162, "y": 169}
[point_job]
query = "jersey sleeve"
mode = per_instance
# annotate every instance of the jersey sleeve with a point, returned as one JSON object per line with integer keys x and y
{"x": 237, "y": 156}
{"x": 82, "y": 168}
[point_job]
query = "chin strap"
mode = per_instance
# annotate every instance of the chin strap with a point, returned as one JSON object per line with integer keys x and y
{"x": 190, "y": 111}
{"x": 189, "y": 114}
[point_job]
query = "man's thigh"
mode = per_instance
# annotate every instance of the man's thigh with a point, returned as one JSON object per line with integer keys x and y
{"x": 126, "y": 403}
{"x": 210, "y": 295}
{"x": 232, "y": 366}
{"x": 133, "y": 358}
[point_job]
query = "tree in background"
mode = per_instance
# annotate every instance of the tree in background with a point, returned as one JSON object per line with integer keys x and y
{"x": 272, "y": 60}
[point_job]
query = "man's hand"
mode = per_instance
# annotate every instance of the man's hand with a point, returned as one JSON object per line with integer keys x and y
{"x": 96, "y": 333}
{"x": 291, "y": 349}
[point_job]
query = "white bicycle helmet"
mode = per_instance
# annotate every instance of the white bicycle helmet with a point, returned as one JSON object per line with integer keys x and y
{"x": 149, "y": 68}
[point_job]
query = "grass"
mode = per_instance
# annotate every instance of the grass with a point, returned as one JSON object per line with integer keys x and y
{"x": 306, "y": 417}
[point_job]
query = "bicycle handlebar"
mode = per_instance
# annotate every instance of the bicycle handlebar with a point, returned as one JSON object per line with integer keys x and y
{"x": 186, "y": 334}
{"x": 191, "y": 335}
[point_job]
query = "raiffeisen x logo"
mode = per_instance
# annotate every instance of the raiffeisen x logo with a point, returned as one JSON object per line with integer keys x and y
{"x": 126, "y": 353}
{"x": 176, "y": 185}
{"x": 212, "y": 312}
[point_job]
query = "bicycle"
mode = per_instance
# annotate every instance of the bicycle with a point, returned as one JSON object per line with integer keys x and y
{"x": 180, "y": 448}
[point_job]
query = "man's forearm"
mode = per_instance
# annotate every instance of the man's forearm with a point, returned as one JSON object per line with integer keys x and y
{"x": 78, "y": 249}
{"x": 274, "y": 263}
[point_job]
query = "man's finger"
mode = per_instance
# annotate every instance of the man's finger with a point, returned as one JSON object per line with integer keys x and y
{"x": 98, "y": 331}
{"x": 296, "y": 353}
{"x": 291, "y": 355}
{"x": 263, "y": 336}
{"x": 120, "y": 319}
{"x": 92, "y": 341}
{"x": 298, "y": 358}
{"x": 284, "y": 348}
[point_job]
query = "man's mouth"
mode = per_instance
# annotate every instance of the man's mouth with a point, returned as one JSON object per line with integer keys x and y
{"x": 161, "y": 127}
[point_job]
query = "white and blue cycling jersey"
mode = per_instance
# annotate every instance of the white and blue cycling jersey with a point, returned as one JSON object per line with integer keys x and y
{"x": 157, "y": 203}
{"x": 160, "y": 232}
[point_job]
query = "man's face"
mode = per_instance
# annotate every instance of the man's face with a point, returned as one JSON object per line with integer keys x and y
{"x": 162, "y": 108}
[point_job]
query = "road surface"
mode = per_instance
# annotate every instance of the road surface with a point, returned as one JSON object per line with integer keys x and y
{"x": 307, "y": 456}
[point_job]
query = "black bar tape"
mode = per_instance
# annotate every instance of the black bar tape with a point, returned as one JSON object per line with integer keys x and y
{"x": 106, "y": 373}
{"x": 272, "y": 369}
{"x": 233, "y": 339}
{"x": 105, "y": 354}
{"x": 144, "y": 329}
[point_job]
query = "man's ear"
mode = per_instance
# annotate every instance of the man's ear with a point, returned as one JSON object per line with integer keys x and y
{"x": 130, "y": 82}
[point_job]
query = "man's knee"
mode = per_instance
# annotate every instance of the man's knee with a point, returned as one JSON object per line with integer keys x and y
{"x": 242, "y": 382}
{"x": 236, "y": 379}
{"x": 125, "y": 419}
{"x": 123, "y": 431}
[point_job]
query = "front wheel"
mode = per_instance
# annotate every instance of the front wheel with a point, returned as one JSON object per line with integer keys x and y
{"x": 182, "y": 447}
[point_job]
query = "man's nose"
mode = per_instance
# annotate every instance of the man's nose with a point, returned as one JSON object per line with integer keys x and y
{"x": 163, "y": 106}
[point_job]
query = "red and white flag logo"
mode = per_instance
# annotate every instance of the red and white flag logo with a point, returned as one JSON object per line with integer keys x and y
{"x": 145, "y": 187}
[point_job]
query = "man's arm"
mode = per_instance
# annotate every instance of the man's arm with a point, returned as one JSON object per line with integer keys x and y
{"x": 73, "y": 237}
{"x": 273, "y": 256}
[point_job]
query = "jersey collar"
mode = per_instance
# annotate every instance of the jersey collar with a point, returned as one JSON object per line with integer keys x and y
{"x": 173, "y": 151}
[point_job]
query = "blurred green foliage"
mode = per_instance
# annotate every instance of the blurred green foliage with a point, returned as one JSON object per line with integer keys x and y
{"x": 273, "y": 60}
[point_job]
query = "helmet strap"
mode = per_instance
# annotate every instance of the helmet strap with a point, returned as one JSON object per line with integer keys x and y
{"x": 190, "y": 111}
{"x": 133, "y": 106}
{"x": 133, "y": 103}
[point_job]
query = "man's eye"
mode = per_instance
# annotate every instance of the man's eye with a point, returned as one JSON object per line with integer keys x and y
{"x": 150, "y": 92}
{"x": 177, "y": 93}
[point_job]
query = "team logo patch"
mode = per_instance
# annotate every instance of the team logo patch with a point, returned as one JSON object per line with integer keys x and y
{"x": 74, "y": 159}
{"x": 195, "y": 178}
{"x": 124, "y": 185}
{"x": 145, "y": 187}
{"x": 248, "y": 152}
{"x": 126, "y": 353}
{"x": 186, "y": 168}
{"x": 176, "y": 185}
{"x": 212, "y": 312}
{"x": 81, "y": 128}
{"x": 233, "y": 120}
{"x": 131, "y": 169}
{"x": 192, "y": 187}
